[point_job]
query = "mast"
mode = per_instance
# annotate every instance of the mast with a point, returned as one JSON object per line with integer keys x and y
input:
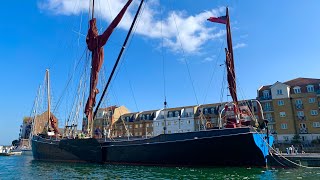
{"x": 48, "y": 96}
{"x": 118, "y": 59}
{"x": 229, "y": 55}
{"x": 92, "y": 9}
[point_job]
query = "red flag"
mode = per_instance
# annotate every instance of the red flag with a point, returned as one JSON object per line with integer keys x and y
{"x": 221, "y": 19}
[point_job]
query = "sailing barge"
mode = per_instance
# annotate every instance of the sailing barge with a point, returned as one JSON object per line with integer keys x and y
{"x": 233, "y": 143}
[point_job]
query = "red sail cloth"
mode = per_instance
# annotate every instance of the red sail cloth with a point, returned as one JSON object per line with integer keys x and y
{"x": 95, "y": 44}
{"x": 231, "y": 75}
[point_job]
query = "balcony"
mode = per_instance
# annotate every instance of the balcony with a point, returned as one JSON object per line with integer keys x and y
{"x": 303, "y": 130}
{"x": 266, "y": 109}
{"x": 302, "y": 118}
{"x": 263, "y": 98}
{"x": 299, "y": 106}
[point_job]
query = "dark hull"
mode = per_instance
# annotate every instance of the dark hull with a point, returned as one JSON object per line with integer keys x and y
{"x": 227, "y": 147}
{"x": 75, "y": 150}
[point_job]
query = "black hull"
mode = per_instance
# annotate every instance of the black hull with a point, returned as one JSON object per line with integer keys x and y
{"x": 74, "y": 150}
{"x": 227, "y": 147}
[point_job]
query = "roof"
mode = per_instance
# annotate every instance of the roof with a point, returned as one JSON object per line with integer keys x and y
{"x": 294, "y": 82}
{"x": 302, "y": 81}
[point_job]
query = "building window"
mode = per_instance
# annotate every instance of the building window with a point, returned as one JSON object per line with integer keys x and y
{"x": 300, "y": 113}
{"x": 303, "y": 125}
{"x": 206, "y": 111}
{"x": 269, "y": 117}
{"x": 267, "y": 106}
{"x": 284, "y": 126}
{"x": 189, "y": 122}
{"x": 316, "y": 124}
{"x": 141, "y": 125}
{"x": 297, "y": 90}
{"x": 286, "y": 138}
{"x": 266, "y": 94}
{"x": 314, "y": 112}
{"x": 282, "y": 114}
{"x": 310, "y": 88}
{"x": 176, "y": 114}
{"x": 136, "y": 126}
{"x": 298, "y": 101}
{"x": 169, "y": 123}
{"x": 279, "y": 91}
{"x": 170, "y": 114}
{"x": 280, "y": 103}
{"x": 312, "y": 100}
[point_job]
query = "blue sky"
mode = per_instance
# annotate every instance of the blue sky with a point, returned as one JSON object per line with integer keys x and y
{"x": 273, "y": 41}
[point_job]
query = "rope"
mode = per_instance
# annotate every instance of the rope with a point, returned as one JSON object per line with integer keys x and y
{"x": 213, "y": 72}
{"x": 299, "y": 165}
{"x": 184, "y": 58}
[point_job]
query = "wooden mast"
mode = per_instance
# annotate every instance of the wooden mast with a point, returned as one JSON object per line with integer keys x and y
{"x": 48, "y": 96}
{"x": 118, "y": 59}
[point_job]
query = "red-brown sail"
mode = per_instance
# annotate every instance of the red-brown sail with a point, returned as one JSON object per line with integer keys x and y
{"x": 231, "y": 76}
{"x": 95, "y": 44}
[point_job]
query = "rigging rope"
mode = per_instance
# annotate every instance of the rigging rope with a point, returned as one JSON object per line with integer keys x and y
{"x": 184, "y": 58}
{"x": 213, "y": 72}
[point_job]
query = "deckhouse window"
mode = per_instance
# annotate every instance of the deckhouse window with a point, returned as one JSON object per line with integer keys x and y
{"x": 170, "y": 114}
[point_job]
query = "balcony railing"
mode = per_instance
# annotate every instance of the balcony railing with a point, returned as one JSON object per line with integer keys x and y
{"x": 299, "y": 106}
{"x": 302, "y": 118}
{"x": 264, "y": 98}
{"x": 303, "y": 130}
{"x": 267, "y": 109}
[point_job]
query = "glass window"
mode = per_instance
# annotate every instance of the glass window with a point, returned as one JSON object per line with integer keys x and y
{"x": 310, "y": 88}
{"x": 314, "y": 112}
{"x": 284, "y": 126}
{"x": 312, "y": 100}
{"x": 279, "y": 91}
{"x": 280, "y": 102}
{"x": 316, "y": 124}
{"x": 300, "y": 113}
{"x": 266, "y": 94}
{"x": 298, "y": 101}
{"x": 176, "y": 114}
{"x": 170, "y": 114}
{"x": 282, "y": 114}
{"x": 297, "y": 90}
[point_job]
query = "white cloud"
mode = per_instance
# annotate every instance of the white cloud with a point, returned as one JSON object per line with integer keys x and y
{"x": 239, "y": 45}
{"x": 209, "y": 59}
{"x": 177, "y": 27}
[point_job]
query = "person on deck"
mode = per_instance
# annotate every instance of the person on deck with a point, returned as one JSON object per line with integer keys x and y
{"x": 95, "y": 44}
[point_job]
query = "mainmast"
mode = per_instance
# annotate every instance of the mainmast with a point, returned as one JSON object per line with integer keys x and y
{"x": 48, "y": 96}
{"x": 118, "y": 59}
{"x": 231, "y": 76}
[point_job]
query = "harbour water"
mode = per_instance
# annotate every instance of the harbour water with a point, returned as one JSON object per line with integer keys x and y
{"x": 24, "y": 167}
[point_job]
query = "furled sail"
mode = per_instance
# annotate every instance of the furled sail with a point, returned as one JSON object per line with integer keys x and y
{"x": 231, "y": 76}
{"x": 95, "y": 44}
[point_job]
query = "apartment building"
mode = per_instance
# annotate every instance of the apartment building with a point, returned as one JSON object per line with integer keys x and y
{"x": 292, "y": 108}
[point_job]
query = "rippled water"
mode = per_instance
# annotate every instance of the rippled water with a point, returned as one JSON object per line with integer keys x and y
{"x": 24, "y": 167}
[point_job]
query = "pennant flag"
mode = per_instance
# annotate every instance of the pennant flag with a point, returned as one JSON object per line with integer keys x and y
{"x": 221, "y": 19}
